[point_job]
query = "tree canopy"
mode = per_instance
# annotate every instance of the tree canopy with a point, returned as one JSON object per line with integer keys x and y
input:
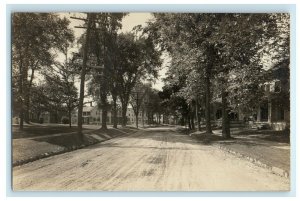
{"x": 35, "y": 36}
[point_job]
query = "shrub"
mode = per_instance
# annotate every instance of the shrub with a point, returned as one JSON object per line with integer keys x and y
{"x": 65, "y": 120}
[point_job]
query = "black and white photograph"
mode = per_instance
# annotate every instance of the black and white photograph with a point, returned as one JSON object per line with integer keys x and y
{"x": 150, "y": 101}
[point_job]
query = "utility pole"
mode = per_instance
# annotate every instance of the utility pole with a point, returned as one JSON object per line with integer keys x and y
{"x": 143, "y": 115}
{"x": 197, "y": 113}
{"x": 83, "y": 70}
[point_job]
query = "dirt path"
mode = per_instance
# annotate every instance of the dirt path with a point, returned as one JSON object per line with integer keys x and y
{"x": 158, "y": 159}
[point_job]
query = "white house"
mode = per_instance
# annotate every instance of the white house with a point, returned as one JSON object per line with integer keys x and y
{"x": 93, "y": 115}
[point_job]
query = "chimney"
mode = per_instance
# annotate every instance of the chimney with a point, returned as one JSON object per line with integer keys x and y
{"x": 91, "y": 104}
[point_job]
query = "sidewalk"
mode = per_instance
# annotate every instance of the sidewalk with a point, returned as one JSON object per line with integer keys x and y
{"x": 26, "y": 150}
{"x": 266, "y": 148}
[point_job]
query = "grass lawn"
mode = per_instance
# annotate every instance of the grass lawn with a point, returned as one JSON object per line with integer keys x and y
{"x": 268, "y": 135}
{"x": 27, "y": 149}
{"x": 270, "y": 147}
{"x": 41, "y": 130}
{"x": 68, "y": 141}
{"x": 268, "y": 152}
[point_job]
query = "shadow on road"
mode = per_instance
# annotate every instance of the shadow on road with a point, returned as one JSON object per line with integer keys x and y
{"x": 164, "y": 135}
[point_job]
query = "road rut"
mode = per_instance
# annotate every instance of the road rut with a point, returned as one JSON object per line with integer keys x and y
{"x": 157, "y": 159}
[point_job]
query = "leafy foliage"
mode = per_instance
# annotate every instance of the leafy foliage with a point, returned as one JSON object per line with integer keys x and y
{"x": 223, "y": 51}
{"x": 34, "y": 37}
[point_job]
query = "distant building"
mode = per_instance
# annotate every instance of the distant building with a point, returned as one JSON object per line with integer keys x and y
{"x": 86, "y": 114}
{"x": 93, "y": 115}
{"x": 45, "y": 117}
{"x": 131, "y": 118}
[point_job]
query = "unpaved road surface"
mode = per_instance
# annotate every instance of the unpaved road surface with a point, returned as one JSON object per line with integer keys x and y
{"x": 158, "y": 159}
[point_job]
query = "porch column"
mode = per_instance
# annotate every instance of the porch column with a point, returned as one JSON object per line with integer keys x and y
{"x": 269, "y": 112}
{"x": 258, "y": 114}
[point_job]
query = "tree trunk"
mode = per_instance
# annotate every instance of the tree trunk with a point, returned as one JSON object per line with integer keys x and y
{"x": 137, "y": 111}
{"x": 143, "y": 117}
{"x": 192, "y": 115}
{"x": 27, "y": 99}
{"x": 104, "y": 118}
{"x": 124, "y": 117}
{"x": 21, "y": 114}
{"x": 115, "y": 112}
{"x": 23, "y": 71}
{"x": 38, "y": 116}
{"x": 158, "y": 118}
{"x": 70, "y": 120}
{"x": 192, "y": 120}
{"x": 198, "y": 115}
{"x": 137, "y": 120}
{"x": 225, "y": 120}
{"x": 56, "y": 116}
{"x": 207, "y": 104}
{"x": 149, "y": 118}
{"x": 103, "y": 98}
{"x": 26, "y": 110}
{"x": 152, "y": 118}
{"x": 189, "y": 122}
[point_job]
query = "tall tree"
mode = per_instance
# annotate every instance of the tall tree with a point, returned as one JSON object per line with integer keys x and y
{"x": 34, "y": 35}
{"x": 39, "y": 101}
{"x": 138, "y": 58}
{"x": 62, "y": 80}
{"x": 181, "y": 31}
{"x": 138, "y": 95}
{"x": 103, "y": 45}
{"x": 219, "y": 43}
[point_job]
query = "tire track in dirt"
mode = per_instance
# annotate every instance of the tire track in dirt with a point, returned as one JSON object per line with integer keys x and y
{"x": 155, "y": 159}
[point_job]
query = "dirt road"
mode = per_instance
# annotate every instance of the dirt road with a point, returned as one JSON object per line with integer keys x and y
{"x": 157, "y": 159}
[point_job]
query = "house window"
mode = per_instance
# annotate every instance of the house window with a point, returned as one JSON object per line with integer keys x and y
{"x": 281, "y": 114}
{"x": 264, "y": 112}
{"x": 277, "y": 86}
{"x": 219, "y": 114}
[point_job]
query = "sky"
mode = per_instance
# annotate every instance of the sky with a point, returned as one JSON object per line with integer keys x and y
{"x": 129, "y": 21}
